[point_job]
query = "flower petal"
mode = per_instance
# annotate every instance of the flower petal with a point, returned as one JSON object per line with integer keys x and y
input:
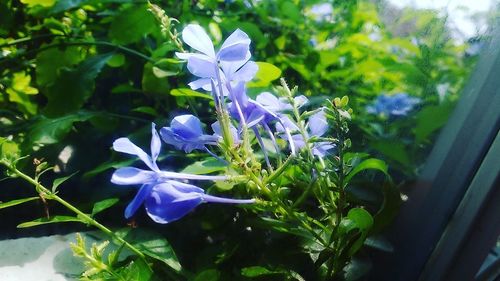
{"x": 201, "y": 66}
{"x": 322, "y": 148}
{"x": 230, "y": 67}
{"x": 170, "y": 202}
{"x": 246, "y": 73}
{"x": 318, "y": 124}
{"x": 272, "y": 103}
{"x": 126, "y": 146}
{"x": 215, "y": 199}
{"x": 155, "y": 143}
{"x": 187, "y": 126}
{"x": 203, "y": 83}
{"x": 185, "y": 56}
{"x": 141, "y": 195}
{"x": 131, "y": 175}
{"x": 196, "y": 37}
{"x": 235, "y": 47}
{"x": 300, "y": 100}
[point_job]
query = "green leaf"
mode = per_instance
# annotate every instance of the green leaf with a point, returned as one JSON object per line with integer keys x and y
{"x": 116, "y": 60}
{"x": 54, "y": 219}
{"x": 208, "y": 275}
{"x": 74, "y": 86}
{"x": 430, "y": 119}
{"x": 50, "y": 62}
{"x": 266, "y": 73}
{"x": 151, "y": 83}
{"x": 17, "y": 202}
{"x": 138, "y": 270}
{"x": 20, "y": 90}
{"x": 372, "y": 163}
{"x": 132, "y": 24}
{"x": 255, "y": 271}
{"x": 394, "y": 150}
{"x": 57, "y": 182}
{"x": 43, "y": 3}
{"x": 184, "y": 92}
{"x": 8, "y": 149}
{"x": 153, "y": 245}
{"x": 103, "y": 205}
{"x": 146, "y": 110}
{"x": 389, "y": 209}
{"x": 205, "y": 167}
{"x": 52, "y": 130}
{"x": 361, "y": 218}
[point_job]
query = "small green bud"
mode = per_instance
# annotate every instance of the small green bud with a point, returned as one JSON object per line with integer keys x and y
{"x": 81, "y": 14}
{"x": 337, "y": 102}
{"x": 347, "y": 143}
{"x": 344, "y": 101}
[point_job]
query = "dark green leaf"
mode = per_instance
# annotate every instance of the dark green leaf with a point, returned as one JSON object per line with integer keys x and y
{"x": 152, "y": 244}
{"x": 103, "y": 205}
{"x": 254, "y": 271}
{"x": 51, "y": 61}
{"x": 372, "y": 163}
{"x": 208, "y": 275}
{"x": 17, "y": 202}
{"x": 54, "y": 219}
{"x": 132, "y": 24}
{"x": 52, "y": 130}
{"x": 74, "y": 86}
{"x": 57, "y": 182}
{"x": 390, "y": 207}
{"x": 138, "y": 270}
{"x": 394, "y": 150}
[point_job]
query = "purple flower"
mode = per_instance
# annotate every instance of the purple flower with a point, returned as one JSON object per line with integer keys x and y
{"x": 185, "y": 133}
{"x": 317, "y": 126}
{"x": 165, "y": 198}
{"x": 171, "y": 200}
{"x": 233, "y": 57}
{"x": 278, "y": 105}
{"x": 392, "y": 106}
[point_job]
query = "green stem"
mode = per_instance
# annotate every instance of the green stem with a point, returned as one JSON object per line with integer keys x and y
{"x": 88, "y": 43}
{"x": 86, "y": 218}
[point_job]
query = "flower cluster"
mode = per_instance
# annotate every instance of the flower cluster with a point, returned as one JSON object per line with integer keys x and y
{"x": 240, "y": 121}
{"x": 224, "y": 73}
{"x": 393, "y": 106}
{"x": 163, "y": 193}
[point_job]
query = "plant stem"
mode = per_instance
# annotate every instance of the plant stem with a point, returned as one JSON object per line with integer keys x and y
{"x": 84, "y": 217}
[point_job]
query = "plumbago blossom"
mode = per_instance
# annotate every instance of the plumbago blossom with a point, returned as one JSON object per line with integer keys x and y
{"x": 317, "y": 126}
{"x": 163, "y": 193}
{"x": 393, "y": 105}
{"x": 225, "y": 73}
{"x": 233, "y": 58}
{"x": 166, "y": 195}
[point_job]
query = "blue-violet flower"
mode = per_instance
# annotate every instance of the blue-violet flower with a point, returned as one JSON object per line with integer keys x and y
{"x": 165, "y": 198}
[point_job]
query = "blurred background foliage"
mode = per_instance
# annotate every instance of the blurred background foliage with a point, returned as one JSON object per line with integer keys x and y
{"x": 75, "y": 75}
